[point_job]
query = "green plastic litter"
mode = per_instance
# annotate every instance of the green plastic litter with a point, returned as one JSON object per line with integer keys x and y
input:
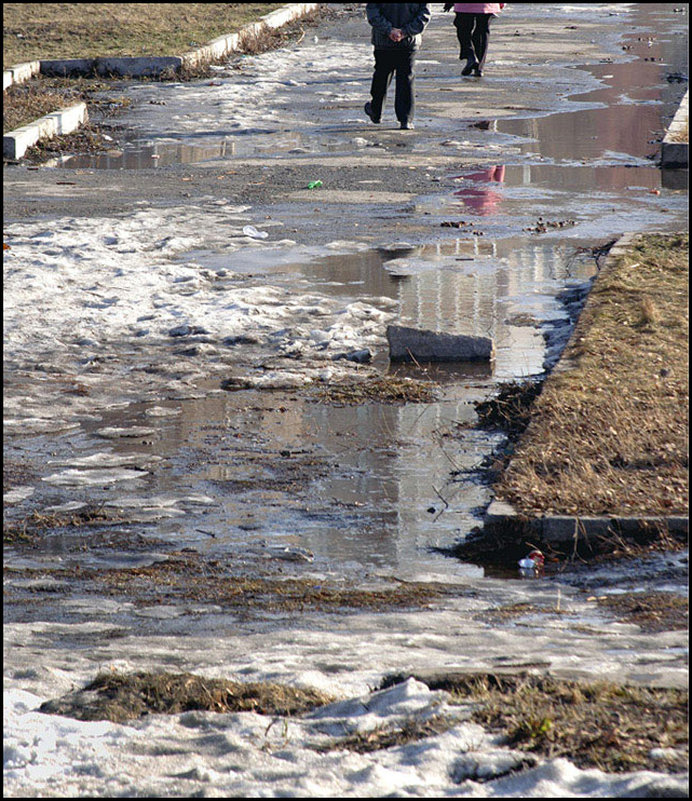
{"x": 314, "y": 184}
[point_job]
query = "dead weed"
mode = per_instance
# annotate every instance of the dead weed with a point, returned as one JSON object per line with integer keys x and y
{"x": 604, "y": 725}
{"x": 120, "y": 697}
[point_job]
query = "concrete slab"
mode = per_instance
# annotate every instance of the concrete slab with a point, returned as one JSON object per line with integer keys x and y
{"x": 67, "y": 67}
{"x": 675, "y": 151}
{"x": 413, "y": 344}
{"x": 141, "y": 67}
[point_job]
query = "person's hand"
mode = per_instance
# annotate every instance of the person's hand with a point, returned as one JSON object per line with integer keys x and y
{"x": 396, "y": 34}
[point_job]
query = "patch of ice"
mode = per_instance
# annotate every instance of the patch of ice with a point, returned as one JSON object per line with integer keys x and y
{"x": 114, "y": 432}
{"x": 74, "y": 477}
{"x": 18, "y": 494}
{"x": 101, "y": 459}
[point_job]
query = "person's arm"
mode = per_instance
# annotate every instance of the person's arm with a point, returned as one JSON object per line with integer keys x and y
{"x": 377, "y": 19}
{"x": 418, "y": 23}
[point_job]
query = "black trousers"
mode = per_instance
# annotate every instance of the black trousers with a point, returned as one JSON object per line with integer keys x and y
{"x": 387, "y": 62}
{"x": 473, "y": 33}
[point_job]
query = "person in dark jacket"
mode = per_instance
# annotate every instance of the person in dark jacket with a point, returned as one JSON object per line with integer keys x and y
{"x": 396, "y": 36}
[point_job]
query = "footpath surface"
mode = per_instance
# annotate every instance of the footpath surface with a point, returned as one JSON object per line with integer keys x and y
{"x": 549, "y": 529}
{"x": 130, "y": 291}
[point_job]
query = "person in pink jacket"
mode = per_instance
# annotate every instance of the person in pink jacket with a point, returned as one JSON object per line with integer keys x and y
{"x": 472, "y": 21}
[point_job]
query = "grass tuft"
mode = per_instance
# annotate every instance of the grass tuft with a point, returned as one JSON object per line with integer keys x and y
{"x": 604, "y": 725}
{"x": 120, "y": 697}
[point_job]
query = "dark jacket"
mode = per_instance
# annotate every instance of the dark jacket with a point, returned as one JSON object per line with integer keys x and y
{"x": 411, "y": 18}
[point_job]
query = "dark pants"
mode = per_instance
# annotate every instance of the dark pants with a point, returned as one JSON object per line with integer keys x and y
{"x": 473, "y": 32}
{"x": 387, "y": 62}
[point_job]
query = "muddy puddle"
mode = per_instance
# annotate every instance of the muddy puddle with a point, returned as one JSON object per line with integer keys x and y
{"x": 316, "y": 477}
{"x": 487, "y": 251}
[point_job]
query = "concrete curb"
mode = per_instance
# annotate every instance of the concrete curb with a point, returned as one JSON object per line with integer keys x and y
{"x": 501, "y": 517}
{"x": 561, "y": 529}
{"x": 16, "y": 142}
{"x": 20, "y": 73}
{"x": 676, "y": 153}
{"x": 64, "y": 121}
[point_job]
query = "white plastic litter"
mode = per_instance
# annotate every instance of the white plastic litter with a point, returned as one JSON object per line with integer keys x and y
{"x": 250, "y": 230}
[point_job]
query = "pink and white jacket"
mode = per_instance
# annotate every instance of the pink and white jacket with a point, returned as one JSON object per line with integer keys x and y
{"x": 478, "y": 8}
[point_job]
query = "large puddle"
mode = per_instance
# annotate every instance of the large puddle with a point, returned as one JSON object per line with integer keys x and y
{"x": 376, "y": 485}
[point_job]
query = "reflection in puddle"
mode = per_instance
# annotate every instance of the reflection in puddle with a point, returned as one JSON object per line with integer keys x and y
{"x": 372, "y": 486}
{"x": 479, "y": 197}
{"x": 364, "y": 485}
{"x": 137, "y": 155}
{"x": 377, "y": 485}
{"x": 474, "y": 286}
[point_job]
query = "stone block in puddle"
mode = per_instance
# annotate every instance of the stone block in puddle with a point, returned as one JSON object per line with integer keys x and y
{"x": 414, "y": 344}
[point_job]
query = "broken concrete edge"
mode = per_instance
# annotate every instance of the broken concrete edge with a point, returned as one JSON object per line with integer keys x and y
{"x": 562, "y": 529}
{"x": 63, "y": 121}
{"x": 501, "y": 516}
{"x": 618, "y": 251}
{"x": 15, "y": 143}
{"x": 675, "y": 153}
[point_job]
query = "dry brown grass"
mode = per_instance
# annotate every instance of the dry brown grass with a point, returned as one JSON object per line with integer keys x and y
{"x": 120, "y": 697}
{"x": 190, "y": 578}
{"x": 378, "y": 390}
{"x": 600, "y": 724}
{"x": 23, "y": 104}
{"x": 609, "y": 435}
{"x": 651, "y": 611}
{"x": 34, "y": 31}
{"x": 31, "y": 527}
{"x": 385, "y": 736}
{"x": 680, "y": 135}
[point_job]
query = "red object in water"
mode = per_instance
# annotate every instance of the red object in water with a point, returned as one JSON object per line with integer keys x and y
{"x": 533, "y": 563}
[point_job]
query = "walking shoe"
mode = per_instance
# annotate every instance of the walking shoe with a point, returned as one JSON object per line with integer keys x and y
{"x": 406, "y": 126}
{"x": 471, "y": 65}
{"x": 368, "y": 111}
{"x": 477, "y": 71}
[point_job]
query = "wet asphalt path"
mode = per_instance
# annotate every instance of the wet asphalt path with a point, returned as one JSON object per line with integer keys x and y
{"x": 260, "y": 132}
{"x": 563, "y": 128}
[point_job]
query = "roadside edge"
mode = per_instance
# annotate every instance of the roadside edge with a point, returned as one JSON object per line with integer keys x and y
{"x": 675, "y": 153}
{"x": 501, "y": 518}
